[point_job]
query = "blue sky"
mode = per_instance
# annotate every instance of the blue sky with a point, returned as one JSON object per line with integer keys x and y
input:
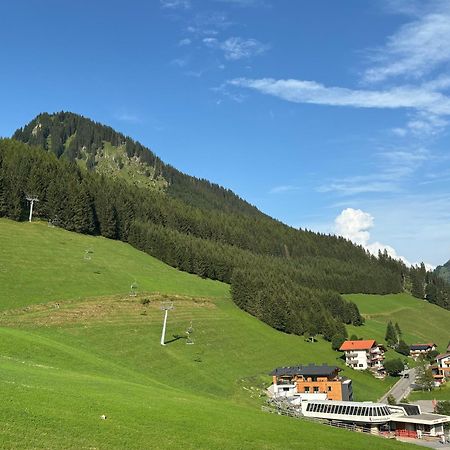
{"x": 328, "y": 115}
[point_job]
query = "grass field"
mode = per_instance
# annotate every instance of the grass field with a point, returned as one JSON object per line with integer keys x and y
{"x": 440, "y": 393}
{"x": 74, "y": 346}
{"x": 419, "y": 320}
{"x": 39, "y": 264}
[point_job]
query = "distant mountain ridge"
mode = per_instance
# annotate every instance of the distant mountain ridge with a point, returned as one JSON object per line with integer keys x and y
{"x": 97, "y": 147}
{"x": 443, "y": 271}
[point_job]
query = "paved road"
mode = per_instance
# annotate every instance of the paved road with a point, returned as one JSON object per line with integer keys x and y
{"x": 402, "y": 388}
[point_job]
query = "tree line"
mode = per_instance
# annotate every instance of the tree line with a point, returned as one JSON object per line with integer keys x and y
{"x": 288, "y": 278}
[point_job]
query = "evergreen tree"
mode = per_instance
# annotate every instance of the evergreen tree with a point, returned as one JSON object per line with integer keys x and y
{"x": 391, "y": 335}
{"x": 403, "y": 348}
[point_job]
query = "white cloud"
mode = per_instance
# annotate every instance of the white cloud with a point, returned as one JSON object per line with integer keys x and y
{"x": 355, "y": 225}
{"x": 235, "y": 48}
{"x": 175, "y": 4}
{"x": 184, "y": 42}
{"x": 418, "y": 98}
{"x": 416, "y": 49}
{"x": 180, "y": 62}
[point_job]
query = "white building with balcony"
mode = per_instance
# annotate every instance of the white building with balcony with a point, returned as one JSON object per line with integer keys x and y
{"x": 364, "y": 354}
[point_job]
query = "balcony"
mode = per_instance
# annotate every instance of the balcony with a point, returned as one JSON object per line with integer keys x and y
{"x": 285, "y": 383}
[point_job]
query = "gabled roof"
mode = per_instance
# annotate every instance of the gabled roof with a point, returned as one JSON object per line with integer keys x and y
{"x": 443, "y": 355}
{"x": 309, "y": 370}
{"x": 422, "y": 346}
{"x": 358, "y": 345}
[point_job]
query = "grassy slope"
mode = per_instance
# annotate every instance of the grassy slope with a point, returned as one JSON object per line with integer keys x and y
{"x": 419, "y": 321}
{"x": 39, "y": 264}
{"x": 64, "y": 367}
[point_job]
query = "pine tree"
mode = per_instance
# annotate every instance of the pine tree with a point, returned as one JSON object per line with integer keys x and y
{"x": 391, "y": 335}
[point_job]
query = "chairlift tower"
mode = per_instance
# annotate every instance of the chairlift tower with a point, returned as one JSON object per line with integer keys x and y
{"x": 31, "y": 199}
{"x": 189, "y": 332}
{"x": 166, "y": 307}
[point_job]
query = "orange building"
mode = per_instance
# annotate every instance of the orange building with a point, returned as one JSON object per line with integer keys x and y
{"x": 312, "y": 379}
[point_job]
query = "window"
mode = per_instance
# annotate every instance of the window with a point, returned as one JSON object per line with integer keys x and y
{"x": 361, "y": 365}
{"x": 306, "y": 388}
{"x": 309, "y": 407}
{"x": 316, "y": 389}
{"x": 365, "y": 411}
{"x": 329, "y": 388}
{"x": 358, "y": 410}
{"x": 352, "y": 410}
{"x": 340, "y": 409}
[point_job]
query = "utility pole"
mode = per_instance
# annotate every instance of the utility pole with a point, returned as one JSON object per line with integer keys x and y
{"x": 165, "y": 307}
{"x": 31, "y": 199}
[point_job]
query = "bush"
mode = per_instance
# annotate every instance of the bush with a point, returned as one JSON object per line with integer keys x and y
{"x": 391, "y": 399}
{"x": 394, "y": 367}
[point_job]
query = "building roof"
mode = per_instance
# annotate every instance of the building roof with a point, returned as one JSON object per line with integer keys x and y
{"x": 309, "y": 370}
{"x": 443, "y": 355}
{"x": 357, "y": 345}
{"x": 422, "y": 346}
{"x": 426, "y": 419}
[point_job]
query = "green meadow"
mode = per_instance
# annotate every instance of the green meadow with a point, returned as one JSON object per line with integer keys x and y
{"x": 39, "y": 264}
{"x": 74, "y": 345}
{"x": 419, "y": 320}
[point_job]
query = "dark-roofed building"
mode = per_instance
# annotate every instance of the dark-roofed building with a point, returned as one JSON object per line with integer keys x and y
{"x": 417, "y": 350}
{"x": 311, "y": 381}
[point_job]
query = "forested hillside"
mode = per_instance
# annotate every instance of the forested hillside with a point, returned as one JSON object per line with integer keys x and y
{"x": 289, "y": 278}
{"x": 443, "y": 271}
{"x": 94, "y": 146}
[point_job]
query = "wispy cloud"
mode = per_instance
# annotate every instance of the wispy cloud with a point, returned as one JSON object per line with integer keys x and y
{"x": 180, "y": 62}
{"x": 301, "y": 91}
{"x": 395, "y": 167}
{"x": 127, "y": 117}
{"x": 175, "y": 4}
{"x": 184, "y": 42}
{"x": 415, "y": 50}
{"x": 283, "y": 189}
{"x": 235, "y": 48}
{"x": 244, "y": 3}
